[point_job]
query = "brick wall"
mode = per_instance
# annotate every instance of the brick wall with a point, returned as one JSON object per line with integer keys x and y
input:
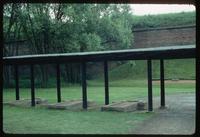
{"x": 183, "y": 35}
{"x": 143, "y": 38}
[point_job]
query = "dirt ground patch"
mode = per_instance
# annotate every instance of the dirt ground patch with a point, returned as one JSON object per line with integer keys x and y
{"x": 176, "y": 81}
{"x": 177, "y": 118}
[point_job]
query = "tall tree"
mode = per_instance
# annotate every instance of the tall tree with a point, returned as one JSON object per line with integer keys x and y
{"x": 61, "y": 28}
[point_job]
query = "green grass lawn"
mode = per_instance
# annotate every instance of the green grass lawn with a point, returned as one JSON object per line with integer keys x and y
{"x": 41, "y": 120}
{"x": 30, "y": 120}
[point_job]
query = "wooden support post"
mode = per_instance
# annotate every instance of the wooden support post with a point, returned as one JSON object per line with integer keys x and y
{"x": 106, "y": 82}
{"x": 58, "y": 82}
{"x": 84, "y": 85}
{"x": 162, "y": 83}
{"x": 32, "y": 86}
{"x": 17, "y": 82}
{"x": 149, "y": 70}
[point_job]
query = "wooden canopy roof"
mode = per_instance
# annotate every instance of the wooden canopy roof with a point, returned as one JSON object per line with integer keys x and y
{"x": 171, "y": 52}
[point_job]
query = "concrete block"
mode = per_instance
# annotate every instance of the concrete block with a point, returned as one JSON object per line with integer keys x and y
{"x": 70, "y": 105}
{"x": 26, "y": 102}
{"x": 125, "y": 106}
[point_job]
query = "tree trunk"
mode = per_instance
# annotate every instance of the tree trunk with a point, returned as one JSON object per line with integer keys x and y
{"x": 72, "y": 73}
{"x": 6, "y": 76}
{"x": 44, "y": 76}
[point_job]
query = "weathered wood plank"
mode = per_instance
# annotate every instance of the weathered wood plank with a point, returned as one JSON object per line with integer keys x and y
{"x": 149, "y": 73}
{"x": 162, "y": 84}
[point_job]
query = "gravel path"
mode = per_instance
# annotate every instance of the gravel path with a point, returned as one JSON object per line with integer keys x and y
{"x": 178, "y": 118}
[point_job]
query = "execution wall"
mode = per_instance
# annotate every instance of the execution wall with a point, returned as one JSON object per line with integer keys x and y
{"x": 143, "y": 38}
{"x": 165, "y": 36}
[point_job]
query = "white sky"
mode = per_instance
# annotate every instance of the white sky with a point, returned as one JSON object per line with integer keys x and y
{"x": 146, "y": 9}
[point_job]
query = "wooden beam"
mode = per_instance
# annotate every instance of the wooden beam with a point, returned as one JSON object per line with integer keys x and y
{"x": 58, "y": 82}
{"x": 162, "y": 83}
{"x": 106, "y": 82}
{"x": 32, "y": 86}
{"x": 149, "y": 71}
{"x": 84, "y": 85}
{"x": 17, "y": 82}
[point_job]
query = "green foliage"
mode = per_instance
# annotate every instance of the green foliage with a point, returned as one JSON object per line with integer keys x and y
{"x": 92, "y": 40}
{"x": 58, "y": 28}
{"x": 63, "y": 28}
{"x": 164, "y": 20}
{"x": 71, "y": 27}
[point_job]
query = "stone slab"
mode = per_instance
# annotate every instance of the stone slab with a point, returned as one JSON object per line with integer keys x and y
{"x": 26, "y": 102}
{"x": 125, "y": 106}
{"x": 70, "y": 105}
